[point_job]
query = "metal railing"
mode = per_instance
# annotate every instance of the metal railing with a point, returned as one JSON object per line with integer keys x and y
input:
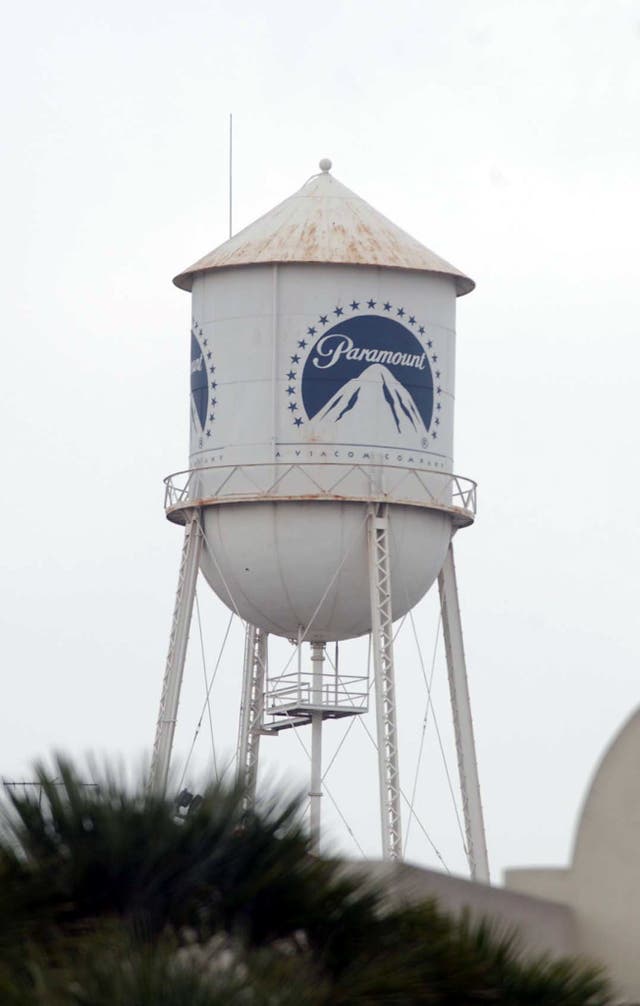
{"x": 333, "y": 692}
{"x": 217, "y": 484}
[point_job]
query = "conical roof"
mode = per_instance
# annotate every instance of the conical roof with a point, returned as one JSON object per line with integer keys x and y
{"x": 325, "y": 222}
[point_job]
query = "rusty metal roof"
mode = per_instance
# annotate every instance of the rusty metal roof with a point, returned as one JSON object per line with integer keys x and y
{"x": 325, "y": 222}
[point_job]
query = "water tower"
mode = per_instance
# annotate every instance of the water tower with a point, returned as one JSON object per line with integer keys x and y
{"x": 320, "y": 503}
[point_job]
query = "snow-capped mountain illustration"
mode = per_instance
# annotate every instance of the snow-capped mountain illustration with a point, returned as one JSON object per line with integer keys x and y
{"x": 373, "y": 401}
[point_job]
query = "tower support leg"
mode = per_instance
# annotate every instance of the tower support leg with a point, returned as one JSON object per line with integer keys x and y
{"x": 251, "y": 709}
{"x": 462, "y": 722}
{"x": 315, "y": 787}
{"x": 383, "y": 669}
{"x": 178, "y": 640}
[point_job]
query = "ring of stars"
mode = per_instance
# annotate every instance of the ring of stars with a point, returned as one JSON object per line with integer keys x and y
{"x": 379, "y": 307}
{"x": 212, "y": 384}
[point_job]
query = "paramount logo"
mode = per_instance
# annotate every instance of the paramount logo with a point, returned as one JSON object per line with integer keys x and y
{"x": 336, "y": 346}
{"x": 373, "y": 398}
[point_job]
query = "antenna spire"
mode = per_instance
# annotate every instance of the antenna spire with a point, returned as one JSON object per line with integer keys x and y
{"x": 230, "y": 174}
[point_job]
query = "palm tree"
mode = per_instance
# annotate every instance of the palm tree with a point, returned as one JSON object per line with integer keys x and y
{"x": 110, "y": 967}
{"x": 436, "y": 959}
{"x": 77, "y": 853}
{"x": 108, "y": 896}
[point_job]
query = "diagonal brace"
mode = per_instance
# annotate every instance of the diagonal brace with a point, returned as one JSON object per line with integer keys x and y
{"x": 178, "y": 640}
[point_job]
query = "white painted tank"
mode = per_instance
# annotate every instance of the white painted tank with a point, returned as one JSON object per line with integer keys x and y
{"x": 322, "y": 379}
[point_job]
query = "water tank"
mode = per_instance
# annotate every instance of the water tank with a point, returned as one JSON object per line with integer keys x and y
{"x": 322, "y": 385}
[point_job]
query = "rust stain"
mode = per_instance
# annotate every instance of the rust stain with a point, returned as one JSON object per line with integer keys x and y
{"x": 177, "y": 514}
{"x": 325, "y": 223}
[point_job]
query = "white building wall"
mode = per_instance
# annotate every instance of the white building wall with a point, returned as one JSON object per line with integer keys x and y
{"x": 544, "y": 926}
{"x": 602, "y": 884}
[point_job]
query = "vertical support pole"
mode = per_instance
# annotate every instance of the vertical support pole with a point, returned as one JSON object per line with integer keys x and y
{"x": 383, "y": 669}
{"x": 336, "y": 676}
{"x": 251, "y": 710}
{"x": 230, "y": 174}
{"x": 462, "y": 722}
{"x": 274, "y": 361}
{"x": 315, "y": 788}
{"x": 178, "y": 640}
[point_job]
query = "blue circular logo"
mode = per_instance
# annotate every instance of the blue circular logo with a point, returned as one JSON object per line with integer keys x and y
{"x": 373, "y": 361}
{"x": 366, "y": 368}
{"x": 203, "y": 385}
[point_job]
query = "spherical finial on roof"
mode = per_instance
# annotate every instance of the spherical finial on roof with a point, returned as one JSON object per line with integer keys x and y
{"x": 325, "y": 164}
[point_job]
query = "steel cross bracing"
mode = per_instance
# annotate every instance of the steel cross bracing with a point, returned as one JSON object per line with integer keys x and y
{"x": 178, "y": 640}
{"x": 462, "y": 722}
{"x": 251, "y": 709}
{"x": 382, "y": 647}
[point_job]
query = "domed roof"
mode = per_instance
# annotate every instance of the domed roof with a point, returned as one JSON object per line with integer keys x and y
{"x": 609, "y": 823}
{"x": 325, "y": 222}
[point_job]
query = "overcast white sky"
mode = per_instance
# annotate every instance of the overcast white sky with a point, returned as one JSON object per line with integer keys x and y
{"x": 503, "y": 135}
